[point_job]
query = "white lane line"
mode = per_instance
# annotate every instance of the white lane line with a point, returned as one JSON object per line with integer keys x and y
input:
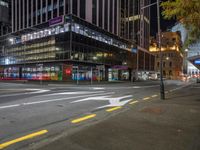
{"x": 27, "y": 91}
{"x": 53, "y": 100}
{"x": 98, "y": 88}
{"x": 73, "y": 93}
{"x": 9, "y": 106}
{"x": 38, "y": 91}
{"x": 136, "y": 87}
{"x": 13, "y": 95}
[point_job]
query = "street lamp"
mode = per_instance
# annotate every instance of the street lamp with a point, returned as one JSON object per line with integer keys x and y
{"x": 162, "y": 89}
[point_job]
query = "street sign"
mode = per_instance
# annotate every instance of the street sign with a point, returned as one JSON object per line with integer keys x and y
{"x": 197, "y": 62}
{"x": 56, "y": 21}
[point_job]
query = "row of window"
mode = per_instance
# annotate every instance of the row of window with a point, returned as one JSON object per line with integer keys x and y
{"x": 30, "y": 46}
{"x": 170, "y": 55}
{"x": 164, "y": 64}
{"x": 77, "y": 28}
{"x": 48, "y": 8}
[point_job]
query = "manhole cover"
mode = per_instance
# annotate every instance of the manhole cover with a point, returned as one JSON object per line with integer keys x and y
{"x": 153, "y": 110}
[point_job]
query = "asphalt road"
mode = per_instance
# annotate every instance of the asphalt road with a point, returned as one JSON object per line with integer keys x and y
{"x": 47, "y": 110}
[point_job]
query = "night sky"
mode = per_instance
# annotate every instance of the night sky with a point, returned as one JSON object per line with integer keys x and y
{"x": 165, "y": 24}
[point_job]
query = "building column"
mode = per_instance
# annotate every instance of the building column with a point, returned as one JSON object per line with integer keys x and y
{"x": 89, "y": 10}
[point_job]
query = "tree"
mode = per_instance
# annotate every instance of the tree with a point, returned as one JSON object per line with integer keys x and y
{"x": 188, "y": 13}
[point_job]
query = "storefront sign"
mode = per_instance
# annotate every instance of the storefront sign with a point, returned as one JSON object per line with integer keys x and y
{"x": 56, "y": 21}
{"x": 68, "y": 71}
{"x": 197, "y": 62}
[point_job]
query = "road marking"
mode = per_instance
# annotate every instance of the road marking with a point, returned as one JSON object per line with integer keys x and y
{"x": 154, "y": 95}
{"x": 9, "y": 106}
{"x": 83, "y": 118}
{"x": 146, "y": 98}
{"x": 6, "y": 144}
{"x": 63, "y": 99}
{"x": 113, "y": 101}
{"x": 113, "y": 109}
{"x": 98, "y": 88}
{"x": 37, "y": 91}
{"x": 27, "y": 91}
{"x": 73, "y": 93}
{"x": 52, "y": 100}
{"x": 133, "y": 102}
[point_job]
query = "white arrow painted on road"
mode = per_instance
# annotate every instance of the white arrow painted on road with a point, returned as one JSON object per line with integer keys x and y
{"x": 114, "y": 101}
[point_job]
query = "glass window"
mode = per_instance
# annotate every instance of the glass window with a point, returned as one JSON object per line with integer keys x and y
{"x": 82, "y": 8}
{"x": 74, "y": 9}
{"x": 94, "y": 11}
{"x": 106, "y": 15}
{"x": 100, "y": 13}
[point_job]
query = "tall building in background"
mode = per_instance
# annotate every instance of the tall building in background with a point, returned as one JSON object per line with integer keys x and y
{"x": 135, "y": 21}
{"x": 191, "y": 53}
{"x": 124, "y": 18}
{"x": 69, "y": 39}
{"x": 29, "y": 13}
{"x": 5, "y": 23}
{"x": 135, "y": 26}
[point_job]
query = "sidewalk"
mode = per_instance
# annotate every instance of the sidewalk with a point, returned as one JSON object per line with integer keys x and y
{"x": 173, "y": 124}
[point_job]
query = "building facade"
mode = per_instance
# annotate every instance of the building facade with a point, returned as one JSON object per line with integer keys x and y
{"x": 4, "y": 17}
{"x": 102, "y": 13}
{"x": 171, "y": 55}
{"x": 193, "y": 51}
{"x": 135, "y": 26}
{"x": 69, "y": 40}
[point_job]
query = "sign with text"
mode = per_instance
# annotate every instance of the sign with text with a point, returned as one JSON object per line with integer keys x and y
{"x": 197, "y": 62}
{"x": 56, "y": 21}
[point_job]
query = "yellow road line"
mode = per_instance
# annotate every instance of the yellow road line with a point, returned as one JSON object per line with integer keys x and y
{"x": 146, "y": 98}
{"x": 6, "y": 144}
{"x": 83, "y": 118}
{"x": 154, "y": 96}
{"x": 133, "y": 102}
{"x": 113, "y": 109}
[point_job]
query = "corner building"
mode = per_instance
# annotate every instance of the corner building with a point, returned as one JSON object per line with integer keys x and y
{"x": 67, "y": 40}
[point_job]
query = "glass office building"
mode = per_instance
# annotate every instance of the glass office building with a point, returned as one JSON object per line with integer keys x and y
{"x": 68, "y": 48}
{"x": 95, "y": 40}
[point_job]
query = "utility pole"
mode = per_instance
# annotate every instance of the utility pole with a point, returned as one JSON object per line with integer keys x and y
{"x": 162, "y": 90}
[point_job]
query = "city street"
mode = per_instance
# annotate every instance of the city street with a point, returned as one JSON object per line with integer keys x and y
{"x": 49, "y": 110}
{"x": 99, "y": 75}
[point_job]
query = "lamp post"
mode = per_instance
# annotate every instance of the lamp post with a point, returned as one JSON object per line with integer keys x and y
{"x": 162, "y": 90}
